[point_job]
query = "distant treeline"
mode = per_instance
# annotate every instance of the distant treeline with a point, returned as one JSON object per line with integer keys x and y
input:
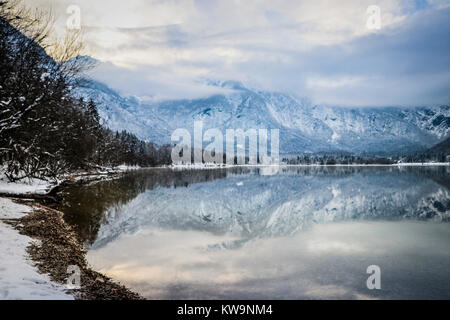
{"x": 438, "y": 153}
{"x": 44, "y": 130}
{"x": 332, "y": 159}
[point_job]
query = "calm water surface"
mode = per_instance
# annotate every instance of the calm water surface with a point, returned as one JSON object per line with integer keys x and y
{"x": 301, "y": 232}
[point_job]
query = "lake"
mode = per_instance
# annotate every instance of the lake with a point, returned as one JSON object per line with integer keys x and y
{"x": 248, "y": 233}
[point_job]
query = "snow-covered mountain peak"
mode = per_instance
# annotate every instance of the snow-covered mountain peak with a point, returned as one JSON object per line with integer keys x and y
{"x": 304, "y": 127}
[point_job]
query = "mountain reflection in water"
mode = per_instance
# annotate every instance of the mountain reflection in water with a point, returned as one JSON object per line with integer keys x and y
{"x": 306, "y": 232}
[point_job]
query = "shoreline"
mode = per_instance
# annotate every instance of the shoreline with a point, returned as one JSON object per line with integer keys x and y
{"x": 284, "y": 165}
{"x": 54, "y": 247}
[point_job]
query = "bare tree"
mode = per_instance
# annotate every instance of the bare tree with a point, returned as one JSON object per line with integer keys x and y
{"x": 44, "y": 130}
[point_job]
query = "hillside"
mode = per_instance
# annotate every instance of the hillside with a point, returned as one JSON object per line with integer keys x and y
{"x": 304, "y": 127}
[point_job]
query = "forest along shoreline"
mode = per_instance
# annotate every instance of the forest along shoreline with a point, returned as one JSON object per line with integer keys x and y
{"x": 55, "y": 246}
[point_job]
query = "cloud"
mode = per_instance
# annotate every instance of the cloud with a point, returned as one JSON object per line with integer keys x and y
{"x": 320, "y": 49}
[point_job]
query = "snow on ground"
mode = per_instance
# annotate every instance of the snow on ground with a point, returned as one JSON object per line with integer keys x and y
{"x": 23, "y": 186}
{"x": 422, "y": 164}
{"x": 19, "y": 279}
{"x": 124, "y": 167}
{"x": 11, "y": 210}
{"x": 282, "y": 164}
{"x": 38, "y": 186}
{"x": 202, "y": 166}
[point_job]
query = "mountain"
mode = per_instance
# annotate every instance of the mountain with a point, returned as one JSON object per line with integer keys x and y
{"x": 304, "y": 127}
{"x": 442, "y": 147}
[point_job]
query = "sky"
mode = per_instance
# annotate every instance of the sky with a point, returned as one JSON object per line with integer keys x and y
{"x": 322, "y": 50}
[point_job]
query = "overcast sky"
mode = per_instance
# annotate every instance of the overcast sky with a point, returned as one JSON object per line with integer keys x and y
{"x": 318, "y": 49}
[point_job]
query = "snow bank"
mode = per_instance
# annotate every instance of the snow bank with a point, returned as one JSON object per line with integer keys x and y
{"x": 11, "y": 210}
{"x": 19, "y": 279}
{"x": 125, "y": 167}
{"x": 23, "y": 186}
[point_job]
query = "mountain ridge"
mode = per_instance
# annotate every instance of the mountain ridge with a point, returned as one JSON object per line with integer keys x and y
{"x": 304, "y": 127}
